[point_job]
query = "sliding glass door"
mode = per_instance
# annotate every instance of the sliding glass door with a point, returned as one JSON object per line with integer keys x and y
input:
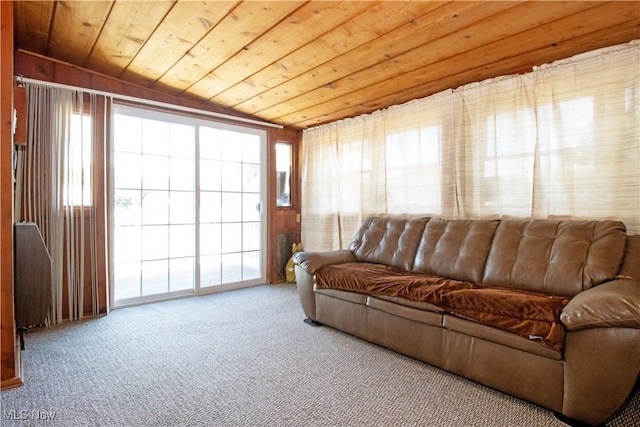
{"x": 187, "y": 199}
{"x": 230, "y": 206}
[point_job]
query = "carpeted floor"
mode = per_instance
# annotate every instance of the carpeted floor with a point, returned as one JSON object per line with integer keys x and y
{"x": 243, "y": 358}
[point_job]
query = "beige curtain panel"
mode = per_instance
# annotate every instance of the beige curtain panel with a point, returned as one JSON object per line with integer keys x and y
{"x": 562, "y": 141}
{"x": 57, "y": 188}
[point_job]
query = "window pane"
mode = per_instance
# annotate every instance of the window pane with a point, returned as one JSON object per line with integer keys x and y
{"x": 251, "y": 236}
{"x": 232, "y": 207}
{"x": 251, "y": 178}
{"x": 231, "y": 176}
{"x": 210, "y": 270}
{"x": 182, "y": 141}
{"x": 251, "y": 149}
{"x": 127, "y": 134}
{"x": 250, "y": 207}
{"x": 155, "y": 242}
{"x": 231, "y": 237}
{"x": 210, "y": 178}
{"x": 77, "y": 172}
{"x": 210, "y": 207}
{"x": 283, "y": 174}
{"x": 127, "y": 207}
{"x": 181, "y": 175}
{"x": 210, "y": 143}
{"x": 210, "y": 239}
{"x": 182, "y": 208}
{"x": 155, "y": 277}
{"x": 155, "y": 172}
{"x": 182, "y": 241}
{"x": 181, "y": 273}
{"x": 155, "y": 207}
{"x": 127, "y": 246}
{"x": 250, "y": 265}
{"x": 128, "y": 174}
{"x": 231, "y": 268}
{"x": 231, "y": 145}
{"x": 127, "y": 275}
{"x": 155, "y": 137}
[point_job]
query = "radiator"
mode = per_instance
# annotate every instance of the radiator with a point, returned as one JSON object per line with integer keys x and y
{"x": 32, "y": 282}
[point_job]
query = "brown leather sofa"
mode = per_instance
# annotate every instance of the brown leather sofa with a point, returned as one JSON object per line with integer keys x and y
{"x": 547, "y": 311}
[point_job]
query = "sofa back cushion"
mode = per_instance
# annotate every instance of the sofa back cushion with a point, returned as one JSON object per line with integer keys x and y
{"x": 390, "y": 240}
{"x": 555, "y": 257}
{"x": 456, "y": 249}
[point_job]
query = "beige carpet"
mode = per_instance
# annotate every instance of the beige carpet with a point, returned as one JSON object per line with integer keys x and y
{"x": 243, "y": 358}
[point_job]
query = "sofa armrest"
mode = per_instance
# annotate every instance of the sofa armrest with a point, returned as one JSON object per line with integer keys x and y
{"x": 306, "y": 265}
{"x": 313, "y": 261}
{"x": 612, "y": 304}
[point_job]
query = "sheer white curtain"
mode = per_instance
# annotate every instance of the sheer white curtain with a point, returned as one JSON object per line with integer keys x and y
{"x": 345, "y": 162}
{"x": 56, "y": 187}
{"x": 560, "y": 142}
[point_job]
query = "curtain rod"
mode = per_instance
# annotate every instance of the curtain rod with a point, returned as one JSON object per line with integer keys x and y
{"x": 151, "y": 102}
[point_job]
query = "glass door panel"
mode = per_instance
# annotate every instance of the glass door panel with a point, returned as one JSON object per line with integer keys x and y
{"x": 230, "y": 206}
{"x": 154, "y": 206}
{"x": 187, "y": 205}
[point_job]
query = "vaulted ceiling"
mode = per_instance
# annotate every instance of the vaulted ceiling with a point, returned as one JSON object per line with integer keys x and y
{"x": 304, "y": 63}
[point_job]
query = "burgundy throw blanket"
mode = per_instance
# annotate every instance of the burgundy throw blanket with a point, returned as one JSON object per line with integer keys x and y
{"x": 531, "y": 315}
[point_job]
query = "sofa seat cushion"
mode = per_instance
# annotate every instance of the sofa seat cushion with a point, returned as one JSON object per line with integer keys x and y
{"x": 528, "y": 314}
{"x": 498, "y": 336}
{"x": 382, "y": 280}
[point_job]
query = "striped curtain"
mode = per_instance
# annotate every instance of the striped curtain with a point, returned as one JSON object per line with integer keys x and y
{"x": 57, "y": 188}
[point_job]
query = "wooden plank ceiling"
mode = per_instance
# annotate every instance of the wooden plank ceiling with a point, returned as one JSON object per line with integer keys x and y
{"x": 304, "y": 63}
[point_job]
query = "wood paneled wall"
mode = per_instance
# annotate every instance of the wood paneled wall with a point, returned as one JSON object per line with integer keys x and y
{"x": 39, "y": 67}
{"x": 9, "y": 368}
